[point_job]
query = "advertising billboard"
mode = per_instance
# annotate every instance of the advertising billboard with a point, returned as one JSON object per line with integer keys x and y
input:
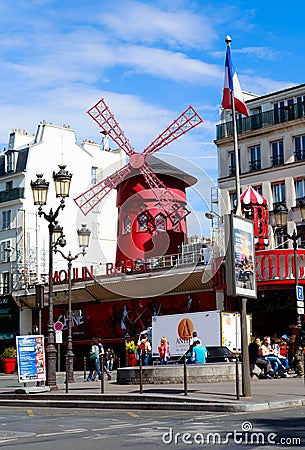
{"x": 240, "y": 260}
{"x": 31, "y": 358}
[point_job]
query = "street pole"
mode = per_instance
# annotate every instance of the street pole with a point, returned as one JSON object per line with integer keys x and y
{"x": 51, "y": 349}
{"x": 83, "y": 236}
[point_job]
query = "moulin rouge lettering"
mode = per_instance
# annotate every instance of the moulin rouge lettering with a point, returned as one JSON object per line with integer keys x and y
{"x": 83, "y": 274}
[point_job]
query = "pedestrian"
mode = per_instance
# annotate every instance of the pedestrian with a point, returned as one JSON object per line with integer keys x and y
{"x": 199, "y": 353}
{"x": 295, "y": 341}
{"x": 256, "y": 359}
{"x": 144, "y": 349}
{"x": 94, "y": 360}
{"x": 164, "y": 352}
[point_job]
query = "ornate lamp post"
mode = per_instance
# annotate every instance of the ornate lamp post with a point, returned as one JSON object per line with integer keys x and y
{"x": 281, "y": 213}
{"x": 83, "y": 241}
{"x": 40, "y": 187}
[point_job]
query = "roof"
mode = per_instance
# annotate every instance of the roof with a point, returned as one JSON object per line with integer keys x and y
{"x": 251, "y": 196}
{"x": 160, "y": 167}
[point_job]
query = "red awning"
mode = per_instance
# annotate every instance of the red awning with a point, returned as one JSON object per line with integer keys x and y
{"x": 251, "y": 197}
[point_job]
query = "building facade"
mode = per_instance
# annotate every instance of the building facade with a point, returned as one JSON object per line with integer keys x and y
{"x": 24, "y": 235}
{"x": 271, "y": 147}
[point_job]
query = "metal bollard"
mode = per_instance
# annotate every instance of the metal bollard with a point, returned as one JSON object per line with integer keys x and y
{"x": 85, "y": 368}
{"x": 185, "y": 375}
{"x": 67, "y": 382}
{"x": 141, "y": 372}
{"x": 102, "y": 372}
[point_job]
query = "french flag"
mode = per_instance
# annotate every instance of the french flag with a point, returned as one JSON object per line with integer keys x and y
{"x": 232, "y": 84}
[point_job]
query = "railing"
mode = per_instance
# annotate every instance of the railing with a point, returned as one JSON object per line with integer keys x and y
{"x": 261, "y": 120}
{"x": 202, "y": 256}
{"x": 11, "y": 194}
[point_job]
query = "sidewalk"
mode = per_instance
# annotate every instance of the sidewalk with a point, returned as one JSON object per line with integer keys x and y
{"x": 266, "y": 394}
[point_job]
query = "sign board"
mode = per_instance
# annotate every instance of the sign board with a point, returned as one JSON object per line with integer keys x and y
{"x": 31, "y": 358}
{"x": 240, "y": 258}
{"x": 58, "y": 326}
{"x": 300, "y": 292}
{"x": 300, "y": 310}
{"x": 58, "y": 337}
{"x": 300, "y": 303}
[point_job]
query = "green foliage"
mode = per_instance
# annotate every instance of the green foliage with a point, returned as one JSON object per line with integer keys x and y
{"x": 9, "y": 352}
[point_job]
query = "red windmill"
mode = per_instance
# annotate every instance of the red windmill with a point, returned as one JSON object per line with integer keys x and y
{"x": 174, "y": 209}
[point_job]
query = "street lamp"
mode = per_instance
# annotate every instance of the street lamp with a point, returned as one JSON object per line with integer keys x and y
{"x": 40, "y": 187}
{"x": 83, "y": 241}
{"x": 281, "y": 213}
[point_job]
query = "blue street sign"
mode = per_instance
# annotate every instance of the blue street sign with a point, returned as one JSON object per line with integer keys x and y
{"x": 300, "y": 293}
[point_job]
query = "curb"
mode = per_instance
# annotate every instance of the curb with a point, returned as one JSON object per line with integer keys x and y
{"x": 147, "y": 404}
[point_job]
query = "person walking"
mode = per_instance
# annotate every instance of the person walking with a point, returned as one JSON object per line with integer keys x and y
{"x": 164, "y": 352}
{"x": 144, "y": 348}
{"x": 94, "y": 360}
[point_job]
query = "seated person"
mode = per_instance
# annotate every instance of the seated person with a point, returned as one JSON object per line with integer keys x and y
{"x": 255, "y": 358}
{"x": 268, "y": 353}
{"x": 199, "y": 353}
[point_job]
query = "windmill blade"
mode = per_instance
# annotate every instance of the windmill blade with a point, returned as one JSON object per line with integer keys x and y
{"x": 188, "y": 120}
{"x": 89, "y": 199}
{"x": 173, "y": 208}
{"x": 105, "y": 119}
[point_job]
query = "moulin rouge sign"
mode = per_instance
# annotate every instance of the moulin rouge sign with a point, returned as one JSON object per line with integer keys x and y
{"x": 278, "y": 265}
{"x": 78, "y": 274}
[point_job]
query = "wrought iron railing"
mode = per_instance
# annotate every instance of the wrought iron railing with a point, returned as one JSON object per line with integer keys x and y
{"x": 261, "y": 120}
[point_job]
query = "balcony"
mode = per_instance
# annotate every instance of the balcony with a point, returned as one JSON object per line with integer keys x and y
{"x": 261, "y": 120}
{"x": 11, "y": 194}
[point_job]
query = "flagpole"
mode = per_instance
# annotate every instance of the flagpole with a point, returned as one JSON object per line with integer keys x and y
{"x": 245, "y": 366}
{"x": 228, "y": 41}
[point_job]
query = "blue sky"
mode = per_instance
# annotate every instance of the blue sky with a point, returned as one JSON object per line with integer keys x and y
{"x": 149, "y": 60}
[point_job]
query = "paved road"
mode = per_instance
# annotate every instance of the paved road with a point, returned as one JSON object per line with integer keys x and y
{"x": 67, "y": 429}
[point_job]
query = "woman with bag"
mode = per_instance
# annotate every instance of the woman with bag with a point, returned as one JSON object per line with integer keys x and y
{"x": 94, "y": 360}
{"x": 163, "y": 350}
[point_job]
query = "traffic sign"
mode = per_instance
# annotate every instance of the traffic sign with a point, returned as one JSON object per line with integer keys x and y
{"x": 300, "y": 310}
{"x": 300, "y": 303}
{"x": 58, "y": 326}
{"x": 58, "y": 337}
{"x": 300, "y": 292}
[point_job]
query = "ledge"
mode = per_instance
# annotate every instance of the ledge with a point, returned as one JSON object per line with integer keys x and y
{"x": 174, "y": 374}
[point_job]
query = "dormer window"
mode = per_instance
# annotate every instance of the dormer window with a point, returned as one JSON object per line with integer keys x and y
{"x": 10, "y": 159}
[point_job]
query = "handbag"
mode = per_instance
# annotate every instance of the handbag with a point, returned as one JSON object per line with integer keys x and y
{"x": 93, "y": 356}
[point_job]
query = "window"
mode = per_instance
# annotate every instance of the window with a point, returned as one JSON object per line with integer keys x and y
{"x": 279, "y": 112}
{"x": 233, "y": 200}
{"x": 232, "y": 165}
{"x": 6, "y": 219}
{"x": 5, "y": 282}
{"x": 258, "y": 189}
{"x": 278, "y": 190}
{"x": 299, "y": 189}
{"x": 142, "y": 222}
{"x": 160, "y": 222}
{"x": 93, "y": 175}
{"x": 10, "y": 161}
{"x": 300, "y": 106}
{"x": 277, "y": 153}
{"x": 299, "y": 148}
{"x": 255, "y": 158}
{"x": 8, "y": 185}
{"x": 5, "y": 253}
{"x": 127, "y": 225}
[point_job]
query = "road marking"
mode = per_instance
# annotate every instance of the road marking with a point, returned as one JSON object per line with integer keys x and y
{"x": 80, "y": 430}
{"x": 30, "y": 412}
{"x": 132, "y": 414}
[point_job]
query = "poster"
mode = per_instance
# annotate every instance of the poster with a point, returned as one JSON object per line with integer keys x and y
{"x": 31, "y": 358}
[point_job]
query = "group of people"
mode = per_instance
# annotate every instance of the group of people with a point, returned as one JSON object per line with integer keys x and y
{"x": 276, "y": 359}
{"x": 96, "y": 351}
{"x": 197, "y": 351}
